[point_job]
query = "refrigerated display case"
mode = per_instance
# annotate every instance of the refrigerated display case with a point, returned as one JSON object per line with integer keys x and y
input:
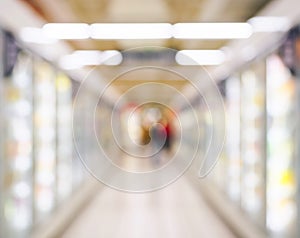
{"x": 266, "y": 175}
{"x": 253, "y": 142}
{"x": 44, "y": 139}
{"x": 82, "y": 140}
{"x": 281, "y": 156}
{"x": 16, "y": 189}
{"x": 64, "y": 147}
{"x": 219, "y": 171}
{"x": 232, "y": 146}
{"x": 38, "y": 168}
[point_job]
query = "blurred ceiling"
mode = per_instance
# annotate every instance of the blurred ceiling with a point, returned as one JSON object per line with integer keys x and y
{"x": 130, "y": 11}
{"x": 172, "y": 11}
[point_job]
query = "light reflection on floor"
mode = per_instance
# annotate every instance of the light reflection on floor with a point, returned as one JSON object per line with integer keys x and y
{"x": 175, "y": 211}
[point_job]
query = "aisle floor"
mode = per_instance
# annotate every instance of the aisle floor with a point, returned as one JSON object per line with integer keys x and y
{"x": 175, "y": 211}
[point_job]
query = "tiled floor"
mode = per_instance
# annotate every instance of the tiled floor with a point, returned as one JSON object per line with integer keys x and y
{"x": 176, "y": 211}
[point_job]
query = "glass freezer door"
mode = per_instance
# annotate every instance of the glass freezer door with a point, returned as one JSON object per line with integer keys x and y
{"x": 44, "y": 139}
{"x": 281, "y": 181}
{"x": 233, "y": 138}
{"x": 17, "y": 177}
{"x": 253, "y": 142}
{"x": 64, "y": 148}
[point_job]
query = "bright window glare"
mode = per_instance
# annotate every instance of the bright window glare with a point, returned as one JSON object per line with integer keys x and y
{"x": 81, "y": 58}
{"x": 269, "y": 24}
{"x": 233, "y": 30}
{"x": 200, "y": 57}
{"x": 35, "y": 35}
{"x": 131, "y": 31}
{"x": 66, "y": 30}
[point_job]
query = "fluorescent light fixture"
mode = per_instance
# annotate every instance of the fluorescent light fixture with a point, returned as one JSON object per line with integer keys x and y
{"x": 200, "y": 57}
{"x": 66, "y": 30}
{"x": 269, "y": 24}
{"x": 35, "y": 35}
{"x": 111, "y": 57}
{"x": 117, "y": 31}
{"x": 223, "y": 30}
{"x": 81, "y": 58}
{"x": 131, "y": 31}
{"x": 73, "y": 61}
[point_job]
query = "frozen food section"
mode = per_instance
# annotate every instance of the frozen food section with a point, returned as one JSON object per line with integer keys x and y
{"x": 17, "y": 144}
{"x": 263, "y": 109}
{"x": 37, "y": 157}
{"x": 142, "y": 119}
{"x": 281, "y": 147}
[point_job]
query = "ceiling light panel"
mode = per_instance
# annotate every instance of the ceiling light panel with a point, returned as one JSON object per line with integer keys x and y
{"x": 200, "y": 57}
{"x": 131, "y": 31}
{"x": 67, "y": 31}
{"x": 222, "y": 30}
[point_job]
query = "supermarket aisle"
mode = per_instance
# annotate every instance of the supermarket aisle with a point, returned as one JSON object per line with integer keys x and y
{"x": 175, "y": 211}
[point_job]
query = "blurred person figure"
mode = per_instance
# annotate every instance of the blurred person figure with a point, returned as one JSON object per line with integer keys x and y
{"x": 145, "y": 135}
{"x": 168, "y": 131}
{"x": 158, "y": 135}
